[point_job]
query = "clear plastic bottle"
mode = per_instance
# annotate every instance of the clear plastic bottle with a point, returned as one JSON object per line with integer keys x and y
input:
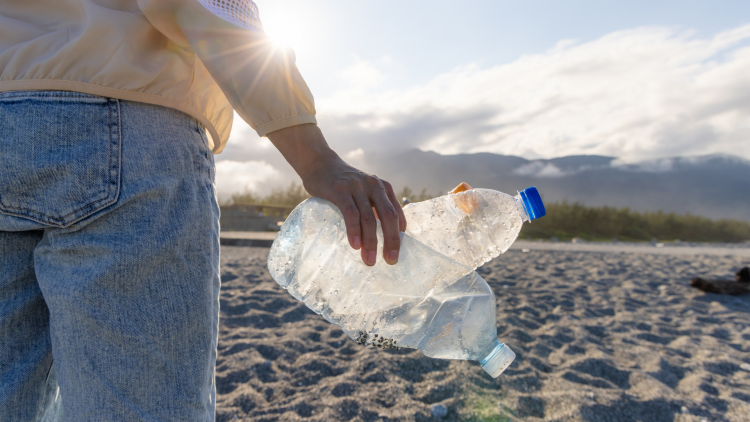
{"x": 472, "y": 226}
{"x": 427, "y": 301}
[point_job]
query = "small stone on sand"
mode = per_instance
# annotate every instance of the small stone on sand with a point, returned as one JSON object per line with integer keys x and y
{"x": 438, "y": 410}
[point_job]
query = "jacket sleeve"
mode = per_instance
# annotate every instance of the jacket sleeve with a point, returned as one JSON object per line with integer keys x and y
{"x": 259, "y": 79}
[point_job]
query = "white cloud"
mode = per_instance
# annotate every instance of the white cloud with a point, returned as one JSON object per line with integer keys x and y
{"x": 664, "y": 165}
{"x": 661, "y": 165}
{"x": 361, "y": 75}
{"x": 355, "y": 154}
{"x": 235, "y": 177}
{"x": 540, "y": 169}
{"x": 638, "y": 94}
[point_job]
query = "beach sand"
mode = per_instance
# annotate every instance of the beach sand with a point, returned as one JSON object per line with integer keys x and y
{"x": 599, "y": 336}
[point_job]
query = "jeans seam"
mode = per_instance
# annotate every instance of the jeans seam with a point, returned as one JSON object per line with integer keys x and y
{"x": 206, "y": 149}
{"x": 4, "y": 95}
{"x": 50, "y": 217}
{"x": 114, "y": 134}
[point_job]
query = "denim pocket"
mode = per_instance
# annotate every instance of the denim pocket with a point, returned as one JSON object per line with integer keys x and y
{"x": 59, "y": 155}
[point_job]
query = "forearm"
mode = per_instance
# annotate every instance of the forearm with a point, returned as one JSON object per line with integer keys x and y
{"x": 304, "y": 147}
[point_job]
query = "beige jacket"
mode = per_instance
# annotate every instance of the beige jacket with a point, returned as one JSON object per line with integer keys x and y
{"x": 174, "y": 53}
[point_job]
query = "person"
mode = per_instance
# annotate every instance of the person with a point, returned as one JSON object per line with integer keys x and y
{"x": 110, "y": 114}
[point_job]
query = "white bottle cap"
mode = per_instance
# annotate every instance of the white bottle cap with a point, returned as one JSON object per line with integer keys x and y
{"x": 498, "y": 360}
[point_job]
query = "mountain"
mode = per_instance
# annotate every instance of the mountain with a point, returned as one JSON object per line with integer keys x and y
{"x": 714, "y": 186}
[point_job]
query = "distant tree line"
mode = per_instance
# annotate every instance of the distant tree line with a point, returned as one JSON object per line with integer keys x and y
{"x": 290, "y": 197}
{"x": 566, "y": 220}
{"x": 407, "y": 194}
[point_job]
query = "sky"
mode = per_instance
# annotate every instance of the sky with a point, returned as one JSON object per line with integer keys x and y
{"x": 634, "y": 80}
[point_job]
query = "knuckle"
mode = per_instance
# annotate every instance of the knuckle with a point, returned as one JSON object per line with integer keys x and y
{"x": 367, "y": 218}
{"x": 373, "y": 181}
{"x": 351, "y": 212}
{"x": 390, "y": 214}
{"x": 387, "y": 185}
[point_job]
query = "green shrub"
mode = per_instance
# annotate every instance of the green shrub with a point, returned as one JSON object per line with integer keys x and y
{"x": 406, "y": 192}
{"x": 566, "y": 220}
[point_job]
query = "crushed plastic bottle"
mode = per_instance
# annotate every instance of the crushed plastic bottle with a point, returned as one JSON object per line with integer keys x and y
{"x": 472, "y": 226}
{"x": 427, "y": 301}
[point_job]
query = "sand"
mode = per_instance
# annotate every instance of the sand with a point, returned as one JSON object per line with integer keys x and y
{"x": 613, "y": 335}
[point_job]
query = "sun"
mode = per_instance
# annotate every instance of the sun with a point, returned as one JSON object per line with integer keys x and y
{"x": 287, "y": 30}
{"x": 283, "y": 39}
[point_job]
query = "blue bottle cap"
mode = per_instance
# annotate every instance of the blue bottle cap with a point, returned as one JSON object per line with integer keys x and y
{"x": 533, "y": 203}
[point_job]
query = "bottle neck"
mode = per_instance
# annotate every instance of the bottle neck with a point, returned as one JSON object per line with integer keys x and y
{"x": 521, "y": 208}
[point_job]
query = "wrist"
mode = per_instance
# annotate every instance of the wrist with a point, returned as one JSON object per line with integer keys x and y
{"x": 305, "y": 148}
{"x": 321, "y": 161}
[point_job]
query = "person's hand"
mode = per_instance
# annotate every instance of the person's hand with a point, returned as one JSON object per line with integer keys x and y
{"x": 361, "y": 197}
{"x": 356, "y": 194}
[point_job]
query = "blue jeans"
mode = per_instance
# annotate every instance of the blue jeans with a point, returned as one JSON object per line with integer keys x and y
{"x": 109, "y": 260}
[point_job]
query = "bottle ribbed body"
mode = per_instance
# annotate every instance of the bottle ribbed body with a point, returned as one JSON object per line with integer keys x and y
{"x": 470, "y": 227}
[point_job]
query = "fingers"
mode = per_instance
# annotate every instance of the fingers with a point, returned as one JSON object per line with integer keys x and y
{"x": 389, "y": 220}
{"x": 348, "y": 207}
{"x": 363, "y": 200}
{"x": 396, "y": 205}
{"x": 368, "y": 227}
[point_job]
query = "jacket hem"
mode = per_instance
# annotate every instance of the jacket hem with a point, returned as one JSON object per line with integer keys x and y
{"x": 284, "y": 123}
{"x": 86, "y": 88}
